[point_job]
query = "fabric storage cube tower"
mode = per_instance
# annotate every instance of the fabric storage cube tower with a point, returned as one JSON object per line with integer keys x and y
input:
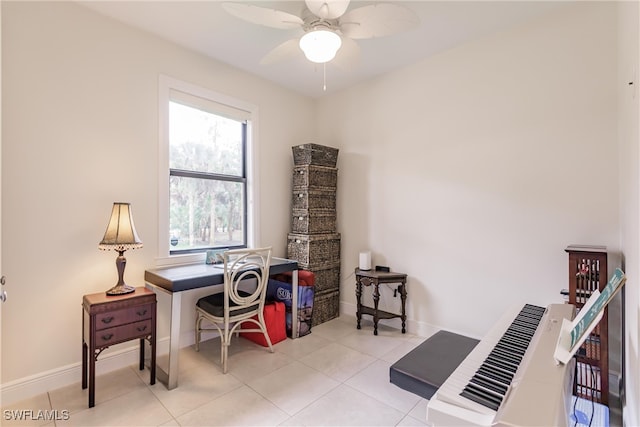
{"x": 314, "y": 241}
{"x": 280, "y": 288}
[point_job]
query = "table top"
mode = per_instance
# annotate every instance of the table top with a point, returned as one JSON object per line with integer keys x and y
{"x": 380, "y": 275}
{"x": 100, "y": 301}
{"x": 193, "y": 276}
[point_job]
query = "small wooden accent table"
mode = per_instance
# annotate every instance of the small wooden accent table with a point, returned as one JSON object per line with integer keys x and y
{"x": 109, "y": 320}
{"x": 371, "y": 277}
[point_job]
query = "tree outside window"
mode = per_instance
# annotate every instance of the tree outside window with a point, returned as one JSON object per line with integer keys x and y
{"x": 208, "y": 182}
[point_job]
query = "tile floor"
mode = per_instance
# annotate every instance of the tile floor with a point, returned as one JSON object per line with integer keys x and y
{"x": 335, "y": 376}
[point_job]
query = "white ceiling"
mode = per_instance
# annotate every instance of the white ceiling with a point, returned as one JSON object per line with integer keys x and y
{"x": 205, "y": 27}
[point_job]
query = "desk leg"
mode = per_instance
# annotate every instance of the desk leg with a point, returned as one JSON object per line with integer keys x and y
{"x": 294, "y": 304}
{"x": 141, "y": 364}
{"x": 92, "y": 376}
{"x": 174, "y": 340}
{"x": 358, "y": 302}
{"x": 85, "y": 354}
{"x": 376, "y": 299}
{"x": 170, "y": 378}
{"x": 403, "y": 299}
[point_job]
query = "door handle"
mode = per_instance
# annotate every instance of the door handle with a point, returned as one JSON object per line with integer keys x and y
{"x": 3, "y": 294}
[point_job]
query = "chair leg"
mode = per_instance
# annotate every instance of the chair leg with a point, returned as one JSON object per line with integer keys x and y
{"x": 263, "y": 326}
{"x": 198, "y": 325}
{"x": 224, "y": 350}
{"x": 266, "y": 336}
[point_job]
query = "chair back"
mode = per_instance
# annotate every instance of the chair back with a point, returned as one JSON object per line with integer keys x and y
{"x": 240, "y": 266}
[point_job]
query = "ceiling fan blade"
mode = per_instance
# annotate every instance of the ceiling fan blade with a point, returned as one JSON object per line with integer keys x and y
{"x": 377, "y": 20}
{"x": 327, "y": 9}
{"x": 283, "y": 52}
{"x": 348, "y": 56}
{"x": 263, "y": 16}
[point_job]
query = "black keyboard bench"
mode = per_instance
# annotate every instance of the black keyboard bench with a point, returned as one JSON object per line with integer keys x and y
{"x": 425, "y": 368}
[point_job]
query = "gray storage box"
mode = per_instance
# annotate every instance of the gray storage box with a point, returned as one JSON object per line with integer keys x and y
{"x": 314, "y": 249}
{"x": 326, "y": 306}
{"x": 315, "y": 176}
{"x": 313, "y": 221}
{"x": 315, "y": 154}
{"x": 319, "y": 198}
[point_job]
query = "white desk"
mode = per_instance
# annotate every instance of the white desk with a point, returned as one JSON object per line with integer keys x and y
{"x": 172, "y": 281}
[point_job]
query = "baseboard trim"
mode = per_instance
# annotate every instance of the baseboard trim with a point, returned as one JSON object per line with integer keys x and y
{"x": 28, "y": 387}
{"x": 421, "y": 329}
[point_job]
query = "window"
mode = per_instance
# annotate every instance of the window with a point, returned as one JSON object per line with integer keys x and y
{"x": 205, "y": 148}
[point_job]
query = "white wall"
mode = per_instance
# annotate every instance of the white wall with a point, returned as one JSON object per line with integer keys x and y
{"x": 471, "y": 171}
{"x": 80, "y": 131}
{"x": 629, "y": 139}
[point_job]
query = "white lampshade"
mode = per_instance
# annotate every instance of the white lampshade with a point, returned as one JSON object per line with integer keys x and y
{"x": 320, "y": 45}
{"x": 121, "y": 233}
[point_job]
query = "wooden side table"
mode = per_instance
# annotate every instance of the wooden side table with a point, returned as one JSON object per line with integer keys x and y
{"x": 375, "y": 278}
{"x": 109, "y": 320}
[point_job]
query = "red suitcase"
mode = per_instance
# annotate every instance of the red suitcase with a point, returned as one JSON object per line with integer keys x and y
{"x": 274, "y": 319}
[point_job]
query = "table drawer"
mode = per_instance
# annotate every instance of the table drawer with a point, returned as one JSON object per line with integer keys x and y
{"x": 124, "y": 316}
{"x": 123, "y": 333}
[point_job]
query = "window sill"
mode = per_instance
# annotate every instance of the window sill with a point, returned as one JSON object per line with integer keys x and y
{"x": 185, "y": 259}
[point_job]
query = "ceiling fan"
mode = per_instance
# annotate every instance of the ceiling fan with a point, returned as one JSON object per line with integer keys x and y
{"x": 328, "y": 29}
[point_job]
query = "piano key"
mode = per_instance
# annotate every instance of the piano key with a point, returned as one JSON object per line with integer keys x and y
{"x": 511, "y": 343}
{"x": 490, "y": 384}
{"x": 517, "y": 335}
{"x": 502, "y": 364}
{"x": 490, "y": 365}
{"x": 522, "y": 330}
{"x": 483, "y": 391}
{"x": 505, "y": 357}
{"x": 511, "y": 349}
{"x": 523, "y": 341}
{"x": 514, "y": 338}
{"x": 497, "y": 376}
{"x": 481, "y": 398}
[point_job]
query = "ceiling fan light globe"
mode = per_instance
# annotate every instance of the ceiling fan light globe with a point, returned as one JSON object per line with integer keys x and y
{"x": 320, "y": 46}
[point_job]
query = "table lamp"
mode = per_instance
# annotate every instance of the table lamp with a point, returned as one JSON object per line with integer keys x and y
{"x": 120, "y": 236}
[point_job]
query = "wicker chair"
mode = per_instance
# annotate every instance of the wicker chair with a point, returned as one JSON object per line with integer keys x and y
{"x": 228, "y": 309}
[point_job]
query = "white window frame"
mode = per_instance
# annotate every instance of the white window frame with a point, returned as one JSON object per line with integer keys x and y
{"x": 165, "y": 85}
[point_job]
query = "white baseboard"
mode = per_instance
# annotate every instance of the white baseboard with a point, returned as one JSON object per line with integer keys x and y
{"x": 421, "y": 329}
{"x": 25, "y": 388}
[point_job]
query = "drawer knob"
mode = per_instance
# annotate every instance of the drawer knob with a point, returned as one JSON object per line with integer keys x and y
{"x": 301, "y": 172}
{"x": 301, "y": 195}
{"x": 142, "y": 312}
{"x": 107, "y": 337}
{"x": 300, "y": 218}
{"x": 107, "y": 320}
{"x": 142, "y": 328}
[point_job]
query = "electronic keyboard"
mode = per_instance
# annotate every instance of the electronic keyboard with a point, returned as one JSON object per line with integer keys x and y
{"x": 511, "y": 377}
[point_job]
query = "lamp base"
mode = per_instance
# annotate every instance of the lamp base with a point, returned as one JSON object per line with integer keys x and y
{"x": 120, "y": 290}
